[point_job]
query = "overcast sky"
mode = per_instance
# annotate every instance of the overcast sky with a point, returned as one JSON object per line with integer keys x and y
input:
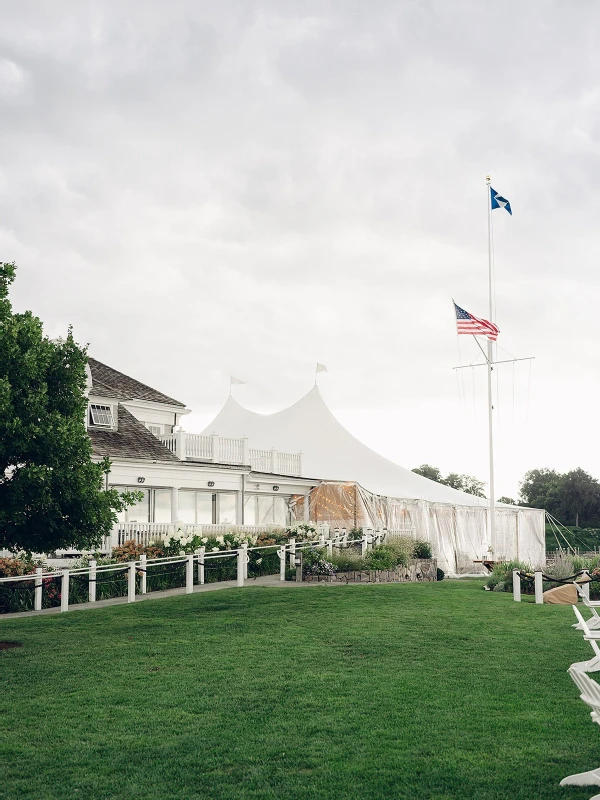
{"x": 204, "y": 189}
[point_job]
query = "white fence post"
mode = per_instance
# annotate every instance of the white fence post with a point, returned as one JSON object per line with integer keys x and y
{"x": 39, "y": 587}
{"x": 64, "y": 591}
{"x": 377, "y": 538}
{"x": 189, "y": 574}
{"x": 201, "y": 552}
{"x": 131, "y": 583}
{"x": 329, "y": 547}
{"x": 292, "y": 553}
{"x": 539, "y": 588}
{"x": 363, "y": 544}
{"x": 344, "y": 537}
{"x": 92, "y": 581}
{"x": 585, "y": 587}
{"x": 246, "y": 559}
{"x": 144, "y": 578}
{"x": 516, "y": 586}
{"x": 282, "y": 555}
{"x": 241, "y": 558}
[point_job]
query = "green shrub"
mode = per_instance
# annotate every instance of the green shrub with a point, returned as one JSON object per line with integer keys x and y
{"x": 503, "y": 573}
{"x": 403, "y": 548}
{"x": 346, "y": 561}
{"x": 381, "y": 557}
{"x": 421, "y": 549}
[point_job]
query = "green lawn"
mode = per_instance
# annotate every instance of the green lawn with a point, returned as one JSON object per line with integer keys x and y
{"x": 393, "y": 691}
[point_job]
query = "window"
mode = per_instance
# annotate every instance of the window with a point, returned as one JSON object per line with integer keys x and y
{"x": 162, "y": 505}
{"x": 266, "y": 509}
{"x": 204, "y": 508}
{"x": 157, "y": 500}
{"x": 140, "y": 511}
{"x": 101, "y": 415}
{"x": 250, "y": 510}
{"x": 197, "y": 507}
{"x": 227, "y": 508}
{"x": 187, "y": 507}
{"x": 156, "y": 430}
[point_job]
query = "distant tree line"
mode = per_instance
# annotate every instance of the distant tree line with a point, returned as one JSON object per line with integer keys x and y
{"x": 464, "y": 483}
{"x": 572, "y": 497}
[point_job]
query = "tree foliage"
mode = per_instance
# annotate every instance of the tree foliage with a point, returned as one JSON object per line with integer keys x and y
{"x": 573, "y": 497}
{"x": 51, "y": 493}
{"x": 464, "y": 483}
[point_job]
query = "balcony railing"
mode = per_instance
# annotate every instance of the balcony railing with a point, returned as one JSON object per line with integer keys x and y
{"x": 223, "y": 450}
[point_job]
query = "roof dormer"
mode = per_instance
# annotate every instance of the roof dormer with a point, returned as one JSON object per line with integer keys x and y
{"x": 102, "y": 414}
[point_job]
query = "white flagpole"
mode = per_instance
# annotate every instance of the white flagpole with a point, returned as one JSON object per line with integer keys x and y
{"x": 489, "y": 372}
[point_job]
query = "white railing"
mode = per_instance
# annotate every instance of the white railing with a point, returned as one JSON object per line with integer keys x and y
{"x": 221, "y": 449}
{"x": 260, "y": 460}
{"x": 288, "y": 463}
{"x": 197, "y": 446}
{"x": 144, "y": 533}
{"x": 230, "y": 450}
{"x": 170, "y": 441}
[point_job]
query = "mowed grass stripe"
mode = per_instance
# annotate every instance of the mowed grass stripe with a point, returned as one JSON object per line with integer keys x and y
{"x": 391, "y": 691}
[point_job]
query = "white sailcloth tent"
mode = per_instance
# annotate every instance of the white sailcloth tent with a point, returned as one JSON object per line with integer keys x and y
{"x": 386, "y": 494}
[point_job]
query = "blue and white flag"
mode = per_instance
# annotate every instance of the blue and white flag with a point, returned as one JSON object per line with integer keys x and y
{"x": 499, "y": 202}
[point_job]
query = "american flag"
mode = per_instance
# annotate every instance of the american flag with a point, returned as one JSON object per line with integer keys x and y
{"x": 467, "y": 323}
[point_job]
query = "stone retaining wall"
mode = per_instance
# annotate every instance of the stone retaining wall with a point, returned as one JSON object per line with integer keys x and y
{"x": 422, "y": 570}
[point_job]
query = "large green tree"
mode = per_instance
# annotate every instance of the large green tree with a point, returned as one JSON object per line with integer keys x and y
{"x": 573, "y": 497}
{"x": 51, "y": 493}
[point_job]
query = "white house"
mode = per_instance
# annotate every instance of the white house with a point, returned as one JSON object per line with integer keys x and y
{"x": 187, "y": 478}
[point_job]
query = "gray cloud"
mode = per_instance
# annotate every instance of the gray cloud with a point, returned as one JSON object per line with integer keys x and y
{"x": 252, "y": 187}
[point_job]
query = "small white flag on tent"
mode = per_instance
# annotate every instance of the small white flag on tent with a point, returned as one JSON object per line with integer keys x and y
{"x": 321, "y": 368}
{"x": 236, "y": 381}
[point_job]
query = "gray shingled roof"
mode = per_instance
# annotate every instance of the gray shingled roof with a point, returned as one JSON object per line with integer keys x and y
{"x": 108, "y": 382}
{"x": 131, "y": 440}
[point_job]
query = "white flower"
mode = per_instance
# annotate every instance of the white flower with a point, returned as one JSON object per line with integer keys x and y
{"x": 259, "y": 560}
{"x": 215, "y": 549}
{"x": 204, "y": 539}
{"x": 182, "y": 552}
{"x": 220, "y": 539}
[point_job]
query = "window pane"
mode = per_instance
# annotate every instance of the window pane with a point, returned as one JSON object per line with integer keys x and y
{"x": 280, "y": 511}
{"x": 250, "y": 510}
{"x": 227, "y": 508}
{"x": 140, "y": 512}
{"x": 162, "y": 505}
{"x": 265, "y": 509}
{"x": 187, "y": 507}
{"x": 204, "y": 506}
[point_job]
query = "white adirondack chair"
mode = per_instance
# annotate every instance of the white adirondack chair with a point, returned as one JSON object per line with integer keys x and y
{"x": 593, "y": 622}
{"x": 590, "y": 694}
{"x": 591, "y": 636}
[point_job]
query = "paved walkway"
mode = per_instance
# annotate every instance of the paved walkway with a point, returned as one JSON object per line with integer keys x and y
{"x": 271, "y": 581}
